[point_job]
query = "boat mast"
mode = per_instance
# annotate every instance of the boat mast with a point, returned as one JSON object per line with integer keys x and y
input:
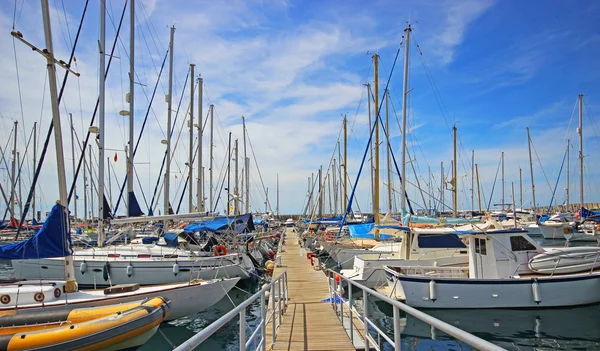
{"x": 472, "y": 182}
{"x": 246, "y": 171}
{"x": 321, "y": 192}
{"x": 169, "y": 102}
{"x": 345, "y": 200}
{"x": 19, "y": 180}
{"x": 85, "y": 195}
{"x": 191, "y": 150}
{"x": 581, "y": 150}
{"x": 13, "y": 194}
{"x": 502, "y": 158}
{"x": 200, "y": 184}
{"x": 388, "y": 148}
{"x": 236, "y": 187}
{"x": 371, "y": 159}
{"x": 210, "y": 167}
{"x": 90, "y": 169}
{"x": 407, "y": 241}
{"x": 442, "y": 187}
{"x": 228, "y": 202}
{"x": 531, "y": 170}
{"x": 335, "y": 187}
{"x": 520, "y": 188}
{"x": 376, "y": 146}
{"x": 478, "y": 186}
{"x": 454, "y": 180}
{"x": 71, "y": 285}
{"x": 568, "y": 173}
{"x": 33, "y": 213}
{"x": 131, "y": 103}
{"x": 101, "y": 115}
{"x": 73, "y": 163}
{"x": 277, "y": 208}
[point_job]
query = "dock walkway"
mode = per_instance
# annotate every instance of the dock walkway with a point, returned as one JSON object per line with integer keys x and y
{"x": 308, "y": 324}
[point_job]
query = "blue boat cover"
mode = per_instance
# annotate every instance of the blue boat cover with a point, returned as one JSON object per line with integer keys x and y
{"x": 585, "y": 213}
{"x": 53, "y": 240}
{"x": 362, "y": 231}
{"x": 171, "y": 239}
{"x": 106, "y": 211}
{"x": 223, "y": 224}
{"x": 435, "y": 241}
{"x": 134, "y": 209}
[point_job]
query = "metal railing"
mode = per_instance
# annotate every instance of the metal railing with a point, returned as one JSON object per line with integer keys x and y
{"x": 370, "y": 325}
{"x": 278, "y": 300}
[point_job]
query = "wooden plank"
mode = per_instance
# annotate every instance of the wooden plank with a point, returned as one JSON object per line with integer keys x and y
{"x": 308, "y": 324}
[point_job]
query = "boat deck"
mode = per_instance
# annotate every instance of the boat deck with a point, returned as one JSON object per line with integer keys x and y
{"x": 308, "y": 323}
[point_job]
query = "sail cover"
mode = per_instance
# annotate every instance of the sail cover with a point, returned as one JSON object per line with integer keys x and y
{"x": 53, "y": 240}
{"x": 134, "y": 209}
{"x": 223, "y": 224}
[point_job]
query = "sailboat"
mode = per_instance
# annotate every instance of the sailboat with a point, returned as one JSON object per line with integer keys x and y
{"x": 53, "y": 295}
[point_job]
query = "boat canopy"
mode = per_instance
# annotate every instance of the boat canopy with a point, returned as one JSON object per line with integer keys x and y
{"x": 361, "y": 231}
{"x": 53, "y": 240}
{"x": 238, "y": 224}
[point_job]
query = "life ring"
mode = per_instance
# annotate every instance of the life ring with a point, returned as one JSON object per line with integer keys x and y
{"x": 220, "y": 250}
{"x": 39, "y": 297}
{"x": 5, "y": 299}
{"x": 57, "y": 293}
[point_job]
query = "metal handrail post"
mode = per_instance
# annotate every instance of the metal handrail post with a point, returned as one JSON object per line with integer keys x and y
{"x": 273, "y": 317}
{"x": 397, "y": 334}
{"x": 365, "y": 316}
{"x": 279, "y": 300}
{"x": 350, "y": 310}
{"x": 287, "y": 296}
{"x": 263, "y": 321}
{"x": 243, "y": 329}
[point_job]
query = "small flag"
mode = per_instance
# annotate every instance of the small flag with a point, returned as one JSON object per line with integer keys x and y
{"x": 116, "y": 158}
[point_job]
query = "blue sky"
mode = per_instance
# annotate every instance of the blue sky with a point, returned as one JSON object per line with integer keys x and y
{"x": 295, "y": 67}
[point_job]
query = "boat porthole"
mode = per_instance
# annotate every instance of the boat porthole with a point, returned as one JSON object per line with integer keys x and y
{"x": 5, "y": 299}
{"x": 57, "y": 293}
{"x": 23, "y": 336}
{"x": 72, "y": 327}
{"x": 39, "y": 297}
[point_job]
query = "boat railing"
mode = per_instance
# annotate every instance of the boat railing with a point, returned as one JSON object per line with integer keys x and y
{"x": 570, "y": 257}
{"x": 345, "y": 310}
{"x": 277, "y": 294}
{"x": 434, "y": 271}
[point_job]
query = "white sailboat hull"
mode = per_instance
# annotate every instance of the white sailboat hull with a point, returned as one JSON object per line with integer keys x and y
{"x": 561, "y": 291}
{"x": 102, "y": 272}
{"x": 552, "y": 230}
{"x": 186, "y": 298}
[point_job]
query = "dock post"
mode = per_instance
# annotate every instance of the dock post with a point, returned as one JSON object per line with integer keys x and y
{"x": 243, "y": 330}
{"x": 263, "y": 323}
{"x": 350, "y": 310}
{"x": 397, "y": 334}
{"x": 365, "y": 317}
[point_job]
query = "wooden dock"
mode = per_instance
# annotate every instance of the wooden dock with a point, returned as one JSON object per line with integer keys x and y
{"x": 308, "y": 324}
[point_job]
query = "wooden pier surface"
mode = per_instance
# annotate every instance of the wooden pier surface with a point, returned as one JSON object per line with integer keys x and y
{"x": 308, "y": 323}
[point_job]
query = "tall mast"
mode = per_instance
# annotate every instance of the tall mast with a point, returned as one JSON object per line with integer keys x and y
{"x": 335, "y": 189}
{"x": 13, "y": 194}
{"x": 371, "y": 159}
{"x": 169, "y": 102}
{"x": 85, "y": 194}
{"x": 228, "y": 174}
{"x": 110, "y": 202}
{"x": 376, "y": 146}
{"x": 101, "y": 112}
{"x": 277, "y": 208}
{"x": 20, "y": 193}
{"x": 472, "y": 181}
{"x": 581, "y": 149}
{"x": 34, "y": 164}
{"x": 442, "y": 186}
{"x": 191, "y": 150}
{"x": 246, "y": 170}
{"x": 73, "y": 164}
{"x": 71, "y": 285}
{"x": 454, "y": 176}
{"x": 200, "y": 184}
{"x": 520, "y": 188}
{"x": 236, "y": 192}
{"x": 131, "y": 103}
{"x": 404, "y": 118}
{"x": 321, "y": 195}
{"x": 388, "y": 148}
{"x": 91, "y": 164}
{"x": 210, "y": 161}
{"x": 502, "y": 158}
{"x": 345, "y": 175}
{"x": 478, "y": 187}
{"x": 568, "y": 174}
{"x": 531, "y": 170}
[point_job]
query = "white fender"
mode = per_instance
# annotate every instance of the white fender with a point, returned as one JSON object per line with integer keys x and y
{"x": 176, "y": 268}
{"x": 432, "y": 291}
{"x": 83, "y": 267}
{"x": 537, "y": 294}
{"x": 129, "y": 270}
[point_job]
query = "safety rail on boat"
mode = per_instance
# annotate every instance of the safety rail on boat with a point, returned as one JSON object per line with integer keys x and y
{"x": 433, "y": 271}
{"x": 571, "y": 256}
{"x": 369, "y": 324}
{"x": 278, "y": 300}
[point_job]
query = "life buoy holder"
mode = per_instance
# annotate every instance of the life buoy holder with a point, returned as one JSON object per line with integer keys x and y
{"x": 220, "y": 250}
{"x": 39, "y": 297}
{"x": 57, "y": 293}
{"x": 5, "y": 299}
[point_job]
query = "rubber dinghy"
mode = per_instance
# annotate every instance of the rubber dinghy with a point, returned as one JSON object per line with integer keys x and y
{"x": 112, "y": 327}
{"x": 566, "y": 260}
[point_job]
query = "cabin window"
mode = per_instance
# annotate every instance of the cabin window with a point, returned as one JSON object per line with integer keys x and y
{"x": 519, "y": 243}
{"x": 480, "y": 246}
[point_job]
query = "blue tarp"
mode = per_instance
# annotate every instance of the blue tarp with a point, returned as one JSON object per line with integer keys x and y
{"x": 239, "y": 224}
{"x": 53, "y": 240}
{"x": 171, "y": 239}
{"x": 435, "y": 241}
{"x": 585, "y": 213}
{"x": 362, "y": 231}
